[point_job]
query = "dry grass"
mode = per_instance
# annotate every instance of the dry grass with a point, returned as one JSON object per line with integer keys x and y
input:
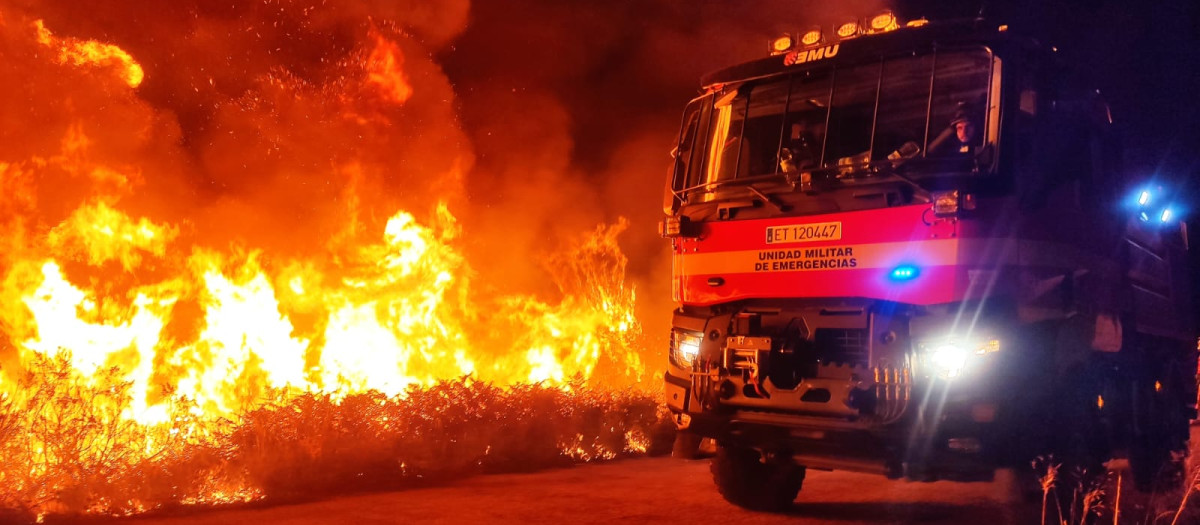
{"x": 68, "y": 451}
{"x": 1176, "y": 506}
{"x": 1081, "y": 499}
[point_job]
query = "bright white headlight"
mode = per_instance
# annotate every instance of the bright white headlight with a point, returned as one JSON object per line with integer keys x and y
{"x": 948, "y": 360}
{"x": 686, "y": 348}
{"x": 951, "y": 357}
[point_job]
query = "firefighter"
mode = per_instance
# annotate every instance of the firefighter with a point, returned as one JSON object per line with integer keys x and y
{"x": 964, "y": 131}
{"x": 960, "y": 141}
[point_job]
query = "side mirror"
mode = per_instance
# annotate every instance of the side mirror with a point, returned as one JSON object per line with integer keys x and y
{"x": 671, "y": 200}
{"x": 681, "y": 155}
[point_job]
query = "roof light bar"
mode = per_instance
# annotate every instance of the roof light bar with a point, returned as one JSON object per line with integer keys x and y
{"x": 880, "y": 23}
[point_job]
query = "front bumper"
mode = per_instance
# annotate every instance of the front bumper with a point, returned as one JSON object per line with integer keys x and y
{"x": 844, "y": 384}
{"x": 942, "y": 438}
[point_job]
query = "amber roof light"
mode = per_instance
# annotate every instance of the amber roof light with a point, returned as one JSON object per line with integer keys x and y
{"x": 783, "y": 44}
{"x": 849, "y": 29}
{"x": 811, "y": 37}
{"x": 885, "y": 21}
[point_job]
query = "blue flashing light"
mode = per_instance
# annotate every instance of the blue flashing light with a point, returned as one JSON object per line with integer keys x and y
{"x": 1157, "y": 206}
{"x": 905, "y": 273}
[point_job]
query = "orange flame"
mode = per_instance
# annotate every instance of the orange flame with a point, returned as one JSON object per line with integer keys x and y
{"x": 394, "y": 318}
{"x": 385, "y": 70}
{"x": 91, "y": 52}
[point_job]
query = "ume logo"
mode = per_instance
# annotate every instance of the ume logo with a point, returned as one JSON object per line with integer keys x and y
{"x": 809, "y": 55}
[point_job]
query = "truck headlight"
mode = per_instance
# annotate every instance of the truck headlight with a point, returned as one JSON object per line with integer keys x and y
{"x": 952, "y": 357}
{"x": 948, "y": 359}
{"x": 685, "y": 346}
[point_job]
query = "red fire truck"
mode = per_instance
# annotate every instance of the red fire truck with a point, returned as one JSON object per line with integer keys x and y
{"x": 908, "y": 249}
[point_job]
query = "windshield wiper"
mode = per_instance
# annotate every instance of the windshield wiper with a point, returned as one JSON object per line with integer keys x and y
{"x": 920, "y": 190}
{"x": 779, "y": 207}
{"x": 750, "y": 183}
{"x": 884, "y": 171}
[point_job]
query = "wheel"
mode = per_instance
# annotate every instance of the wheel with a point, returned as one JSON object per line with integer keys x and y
{"x": 1158, "y": 446}
{"x": 744, "y": 479}
{"x": 1152, "y": 465}
{"x": 1079, "y": 441}
{"x": 687, "y": 445}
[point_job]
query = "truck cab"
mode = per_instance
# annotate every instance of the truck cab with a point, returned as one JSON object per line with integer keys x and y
{"x": 908, "y": 249}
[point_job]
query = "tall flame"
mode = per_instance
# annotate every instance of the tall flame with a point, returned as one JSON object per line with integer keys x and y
{"x": 391, "y": 314}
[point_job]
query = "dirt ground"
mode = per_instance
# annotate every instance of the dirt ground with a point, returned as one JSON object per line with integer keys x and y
{"x": 655, "y": 490}
{"x": 666, "y": 490}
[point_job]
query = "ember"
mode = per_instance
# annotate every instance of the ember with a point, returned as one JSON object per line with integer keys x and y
{"x": 316, "y": 329}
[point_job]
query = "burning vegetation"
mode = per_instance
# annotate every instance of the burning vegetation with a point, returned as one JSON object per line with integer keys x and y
{"x": 265, "y": 294}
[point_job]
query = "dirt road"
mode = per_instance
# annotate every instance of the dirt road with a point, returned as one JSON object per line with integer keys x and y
{"x": 656, "y": 490}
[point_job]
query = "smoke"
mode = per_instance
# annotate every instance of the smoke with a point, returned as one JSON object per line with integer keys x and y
{"x": 572, "y": 109}
{"x": 271, "y": 124}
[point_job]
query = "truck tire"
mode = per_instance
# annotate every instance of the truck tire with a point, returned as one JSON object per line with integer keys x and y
{"x": 1159, "y": 444}
{"x": 745, "y": 480}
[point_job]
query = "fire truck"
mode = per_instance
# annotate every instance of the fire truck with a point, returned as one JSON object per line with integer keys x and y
{"x": 909, "y": 249}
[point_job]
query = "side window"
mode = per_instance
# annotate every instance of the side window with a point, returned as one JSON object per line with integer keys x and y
{"x": 745, "y": 132}
{"x": 1062, "y": 169}
{"x": 725, "y": 136}
{"x": 1038, "y": 136}
{"x": 1077, "y": 163}
{"x": 689, "y": 151}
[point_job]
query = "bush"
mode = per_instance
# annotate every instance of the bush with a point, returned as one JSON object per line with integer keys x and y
{"x": 70, "y": 449}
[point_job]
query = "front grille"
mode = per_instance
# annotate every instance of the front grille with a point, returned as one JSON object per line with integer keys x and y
{"x": 840, "y": 345}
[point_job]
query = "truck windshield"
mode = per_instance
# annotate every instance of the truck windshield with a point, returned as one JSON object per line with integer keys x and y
{"x": 929, "y": 113}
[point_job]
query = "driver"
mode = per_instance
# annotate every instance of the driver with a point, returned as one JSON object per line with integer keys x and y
{"x": 964, "y": 131}
{"x": 961, "y": 139}
{"x": 957, "y": 140}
